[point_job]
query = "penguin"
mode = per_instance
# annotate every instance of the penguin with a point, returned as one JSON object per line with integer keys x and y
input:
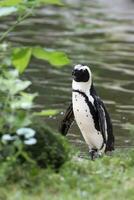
{"x": 90, "y": 114}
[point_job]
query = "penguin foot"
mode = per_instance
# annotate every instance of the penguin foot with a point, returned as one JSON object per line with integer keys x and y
{"x": 94, "y": 153}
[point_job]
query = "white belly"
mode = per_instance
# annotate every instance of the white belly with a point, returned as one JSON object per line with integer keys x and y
{"x": 85, "y": 121}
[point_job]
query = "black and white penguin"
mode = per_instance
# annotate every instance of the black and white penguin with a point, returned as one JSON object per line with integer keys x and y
{"x": 90, "y": 114}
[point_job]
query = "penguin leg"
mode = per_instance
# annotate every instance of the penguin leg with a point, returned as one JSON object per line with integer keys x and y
{"x": 94, "y": 153}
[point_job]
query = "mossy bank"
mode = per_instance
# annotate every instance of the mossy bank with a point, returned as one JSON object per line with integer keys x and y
{"x": 111, "y": 177}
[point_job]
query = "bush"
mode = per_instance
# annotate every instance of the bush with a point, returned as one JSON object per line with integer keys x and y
{"x": 51, "y": 148}
{"x": 17, "y": 140}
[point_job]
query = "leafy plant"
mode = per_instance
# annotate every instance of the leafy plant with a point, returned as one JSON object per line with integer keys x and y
{"x": 22, "y": 9}
{"x": 17, "y": 115}
{"x": 21, "y": 57}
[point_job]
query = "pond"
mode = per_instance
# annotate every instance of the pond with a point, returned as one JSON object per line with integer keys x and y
{"x": 97, "y": 33}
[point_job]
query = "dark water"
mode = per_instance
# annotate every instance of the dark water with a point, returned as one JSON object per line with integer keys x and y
{"x": 98, "y": 33}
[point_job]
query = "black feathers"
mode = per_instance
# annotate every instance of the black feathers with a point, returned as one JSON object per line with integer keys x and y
{"x": 102, "y": 116}
{"x": 67, "y": 120}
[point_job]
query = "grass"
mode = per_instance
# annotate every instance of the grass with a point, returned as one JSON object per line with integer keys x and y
{"x": 111, "y": 177}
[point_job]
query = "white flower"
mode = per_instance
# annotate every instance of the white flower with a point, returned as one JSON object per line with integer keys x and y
{"x": 14, "y": 73}
{"x": 7, "y": 137}
{"x": 30, "y": 141}
{"x": 27, "y": 132}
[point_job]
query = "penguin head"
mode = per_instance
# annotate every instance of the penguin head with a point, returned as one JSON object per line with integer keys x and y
{"x": 81, "y": 73}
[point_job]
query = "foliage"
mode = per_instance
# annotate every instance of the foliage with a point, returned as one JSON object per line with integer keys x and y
{"x": 28, "y": 3}
{"x": 16, "y": 113}
{"x": 18, "y": 137}
{"x": 21, "y": 57}
{"x": 106, "y": 178}
{"x": 15, "y": 104}
{"x": 48, "y": 112}
{"x": 17, "y": 117}
{"x": 38, "y": 145}
{"x": 51, "y": 149}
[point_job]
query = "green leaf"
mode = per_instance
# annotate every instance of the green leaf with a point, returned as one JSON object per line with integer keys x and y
{"x": 16, "y": 86}
{"x": 54, "y": 2}
{"x": 13, "y": 86}
{"x": 23, "y": 102}
{"x": 58, "y": 59}
{"x": 55, "y": 58}
{"x": 10, "y": 2}
{"x": 49, "y": 112}
{"x": 40, "y": 53}
{"x": 7, "y": 11}
{"x": 21, "y": 58}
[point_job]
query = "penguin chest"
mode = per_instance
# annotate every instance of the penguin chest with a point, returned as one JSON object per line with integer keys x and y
{"x": 85, "y": 121}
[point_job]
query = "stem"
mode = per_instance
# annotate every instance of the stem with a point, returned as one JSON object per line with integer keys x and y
{"x": 19, "y": 20}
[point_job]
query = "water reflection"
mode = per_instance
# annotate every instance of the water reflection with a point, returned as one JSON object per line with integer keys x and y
{"x": 97, "y": 33}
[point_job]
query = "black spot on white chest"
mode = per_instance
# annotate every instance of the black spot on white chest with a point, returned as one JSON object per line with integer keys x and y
{"x": 81, "y": 110}
{"x": 83, "y": 113}
{"x": 85, "y": 103}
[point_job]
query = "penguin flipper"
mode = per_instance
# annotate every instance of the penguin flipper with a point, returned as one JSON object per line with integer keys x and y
{"x": 110, "y": 139}
{"x": 104, "y": 119}
{"x": 67, "y": 120}
{"x": 101, "y": 116}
